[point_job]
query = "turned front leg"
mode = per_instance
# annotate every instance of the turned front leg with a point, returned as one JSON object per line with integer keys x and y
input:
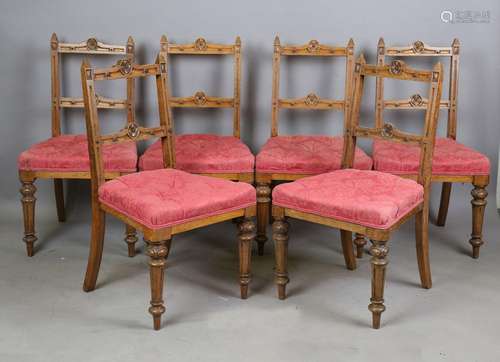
{"x": 246, "y": 235}
{"x": 280, "y": 237}
{"x": 379, "y": 252}
{"x": 28, "y": 201}
{"x": 263, "y": 206}
{"x": 360, "y": 243}
{"x": 130, "y": 239}
{"x": 157, "y": 251}
{"x": 478, "y": 202}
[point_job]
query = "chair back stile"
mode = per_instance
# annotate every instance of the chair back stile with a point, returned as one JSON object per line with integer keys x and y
{"x": 396, "y": 70}
{"x": 310, "y": 101}
{"x": 420, "y": 49}
{"x": 125, "y": 69}
{"x": 200, "y": 99}
{"x": 91, "y": 46}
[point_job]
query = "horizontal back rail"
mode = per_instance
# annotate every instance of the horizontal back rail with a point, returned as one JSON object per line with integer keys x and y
{"x": 420, "y": 49}
{"x": 313, "y": 49}
{"x": 124, "y": 69}
{"x": 311, "y": 101}
{"x": 400, "y": 71}
{"x": 102, "y": 102}
{"x": 91, "y": 46}
{"x": 201, "y": 47}
{"x": 200, "y": 99}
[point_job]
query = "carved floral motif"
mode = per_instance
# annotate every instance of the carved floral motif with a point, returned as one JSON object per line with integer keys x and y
{"x": 311, "y": 99}
{"x": 313, "y": 46}
{"x": 396, "y": 67}
{"x": 416, "y": 100}
{"x": 200, "y": 44}
{"x": 418, "y": 46}
{"x": 125, "y": 66}
{"x": 92, "y": 44}
{"x": 200, "y": 98}
{"x": 387, "y": 130}
{"x": 133, "y": 130}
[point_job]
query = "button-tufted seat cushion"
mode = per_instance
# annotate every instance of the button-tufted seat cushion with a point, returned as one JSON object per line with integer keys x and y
{"x": 368, "y": 198}
{"x": 69, "y": 153}
{"x": 203, "y": 153}
{"x": 450, "y": 158}
{"x": 165, "y": 197}
{"x": 306, "y": 155}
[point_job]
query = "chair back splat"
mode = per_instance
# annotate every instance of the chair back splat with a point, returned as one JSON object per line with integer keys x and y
{"x": 400, "y": 71}
{"x": 200, "y": 99}
{"x": 125, "y": 69}
{"x": 310, "y": 101}
{"x": 415, "y": 50}
{"x": 91, "y": 46}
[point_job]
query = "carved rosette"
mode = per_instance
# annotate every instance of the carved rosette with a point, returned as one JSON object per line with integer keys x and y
{"x": 416, "y": 100}
{"x": 200, "y": 44}
{"x": 418, "y": 47}
{"x": 313, "y": 46}
{"x": 200, "y": 98}
{"x": 125, "y": 66}
{"x": 133, "y": 130}
{"x": 311, "y": 100}
{"x": 396, "y": 67}
{"x": 387, "y": 130}
{"x": 92, "y": 44}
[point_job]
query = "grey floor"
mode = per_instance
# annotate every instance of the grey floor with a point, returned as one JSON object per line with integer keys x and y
{"x": 45, "y": 315}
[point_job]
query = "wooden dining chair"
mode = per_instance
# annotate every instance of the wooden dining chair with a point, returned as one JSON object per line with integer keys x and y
{"x": 288, "y": 158}
{"x": 65, "y": 156}
{"x": 162, "y": 202}
{"x": 368, "y": 202}
{"x": 453, "y": 161}
{"x": 214, "y": 155}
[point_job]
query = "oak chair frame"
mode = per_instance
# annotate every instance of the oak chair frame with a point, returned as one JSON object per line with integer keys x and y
{"x": 311, "y": 101}
{"x": 479, "y": 182}
{"x": 379, "y": 250}
{"x": 200, "y": 99}
{"x": 91, "y": 46}
{"x": 158, "y": 240}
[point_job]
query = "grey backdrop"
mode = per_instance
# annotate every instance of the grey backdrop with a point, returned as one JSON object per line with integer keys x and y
{"x": 26, "y": 27}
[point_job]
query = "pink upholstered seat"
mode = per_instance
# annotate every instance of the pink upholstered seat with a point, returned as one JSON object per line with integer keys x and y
{"x": 368, "y": 198}
{"x": 165, "y": 197}
{"x": 306, "y": 155}
{"x": 69, "y": 153}
{"x": 450, "y": 158}
{"x": 203, "y": 153}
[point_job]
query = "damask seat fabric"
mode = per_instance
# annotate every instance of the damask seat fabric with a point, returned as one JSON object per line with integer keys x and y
{"x": 70, "y": 153}
{"x": 450, "y": 158}
{"x": 306, "y": 155}
{"x": 166, "y": 197}
{"x": 362, "y": 197}
{"x": 203, "y": 153}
